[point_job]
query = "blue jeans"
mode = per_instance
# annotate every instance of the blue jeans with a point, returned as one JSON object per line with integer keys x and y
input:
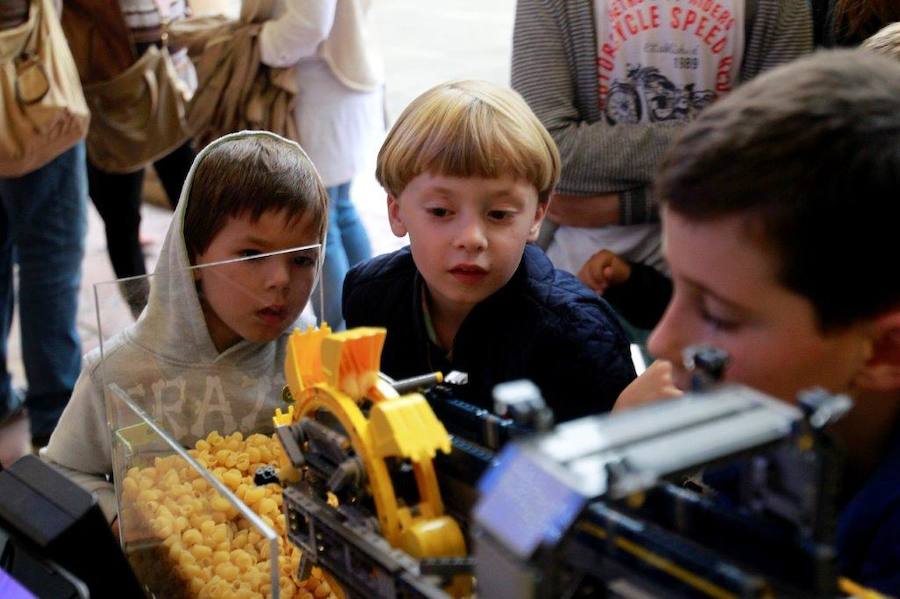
{"x": 42, "y": 226}
{"x": 347, "y": 245}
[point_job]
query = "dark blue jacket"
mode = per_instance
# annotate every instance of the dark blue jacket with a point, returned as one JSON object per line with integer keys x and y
{"x": 868, "y": 534}
{"x": 543, "y": 325}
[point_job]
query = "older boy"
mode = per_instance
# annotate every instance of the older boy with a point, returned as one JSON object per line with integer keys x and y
{"x": 781, "y": 205}
{"x": 207, "y": 353}
{"x": 468, "y": 170}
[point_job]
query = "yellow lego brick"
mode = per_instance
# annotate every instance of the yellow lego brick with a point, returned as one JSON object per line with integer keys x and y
{"x": 433, "y": 537}
{"x": 283, "y": 418}
{"x": 407, "y": 428}
{"x": 351, "y": 359}
{"x": 303, "y": 359}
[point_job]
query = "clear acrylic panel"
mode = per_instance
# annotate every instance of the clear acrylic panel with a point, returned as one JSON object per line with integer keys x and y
{"x": 185, "y": 532}
{"x": 190, "y": 388}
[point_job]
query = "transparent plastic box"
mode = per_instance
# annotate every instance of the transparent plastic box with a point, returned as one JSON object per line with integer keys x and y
{"x": 190, "y": 418}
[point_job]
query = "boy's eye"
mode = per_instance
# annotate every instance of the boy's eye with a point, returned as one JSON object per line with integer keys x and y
{"x": 248, "y": 253}
{"x": 716, "y": 322}
{"x": 304, "y": 261}
{"x": 438, "y": 212}
{"x": 500, "y": 214}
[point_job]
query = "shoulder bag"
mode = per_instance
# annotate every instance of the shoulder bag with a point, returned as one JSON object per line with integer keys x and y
{"x": 43, "y": 111}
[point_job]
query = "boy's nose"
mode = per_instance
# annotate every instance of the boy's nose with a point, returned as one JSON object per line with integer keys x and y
{"x": 471, "y": 237}
{"x": 278, "y": 274}
{"x": 666, "y": 341}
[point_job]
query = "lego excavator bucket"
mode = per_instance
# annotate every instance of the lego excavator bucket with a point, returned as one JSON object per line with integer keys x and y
{"x": 348, "y": 361}
{"x": 303, "y": 359}
{"x": 338, "y": 374}
{"x": 351, "y": 359}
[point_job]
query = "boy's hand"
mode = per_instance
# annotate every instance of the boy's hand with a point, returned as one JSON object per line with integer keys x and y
{"x": 604, "y": 269}
{"x": 654, "y": 384}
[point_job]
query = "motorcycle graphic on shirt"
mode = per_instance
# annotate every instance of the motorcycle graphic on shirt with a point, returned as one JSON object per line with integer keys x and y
{"x": 646, "y": 91}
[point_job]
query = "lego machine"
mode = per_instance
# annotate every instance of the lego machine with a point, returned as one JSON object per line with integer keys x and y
{"x": 399, "y": 489}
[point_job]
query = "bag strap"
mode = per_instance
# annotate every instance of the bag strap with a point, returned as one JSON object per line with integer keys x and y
{"x": 30, "y": 57}
{"x": 30, "y": 50}
{"x": 165, "y": 19}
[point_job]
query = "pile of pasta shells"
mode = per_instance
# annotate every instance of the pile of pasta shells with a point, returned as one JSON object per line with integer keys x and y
{"x": 186, "y": 540}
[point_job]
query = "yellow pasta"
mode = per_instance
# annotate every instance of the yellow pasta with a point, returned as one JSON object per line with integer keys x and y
{"x": 213, "y": 549}
{"x": 241, "y": 559}
{"x": 192, "y": 536}
{"x": 201, "y": 552}
{"x": 220, "y": 533}
{"x": 253, "y": 495}
{"x": 267, "y": 507}
{"x": 218, "y": 503}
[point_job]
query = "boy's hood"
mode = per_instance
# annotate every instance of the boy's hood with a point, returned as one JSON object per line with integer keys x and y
{"x": 172, "y": 325}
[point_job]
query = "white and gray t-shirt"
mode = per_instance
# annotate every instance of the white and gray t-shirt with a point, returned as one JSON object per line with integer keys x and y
{"x": 657, "y": 61}
{"x": 663, "y": 60}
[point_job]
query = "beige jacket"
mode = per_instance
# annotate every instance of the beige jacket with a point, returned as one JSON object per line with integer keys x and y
{"x": 347, "y": 50}
{"x": 333, "y": 30}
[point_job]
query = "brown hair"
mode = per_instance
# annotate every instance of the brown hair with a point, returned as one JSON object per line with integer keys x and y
{"x": 809, "y": 155}
{"x": 248, "y": 175}
{"x": 858, "y": 19}
{"x": 468, "y": 129}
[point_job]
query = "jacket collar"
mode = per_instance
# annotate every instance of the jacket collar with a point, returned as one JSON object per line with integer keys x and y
{"x": 534, "y": 267}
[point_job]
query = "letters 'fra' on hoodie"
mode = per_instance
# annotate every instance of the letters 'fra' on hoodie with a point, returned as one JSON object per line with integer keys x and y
{"x": 207, "y": 353}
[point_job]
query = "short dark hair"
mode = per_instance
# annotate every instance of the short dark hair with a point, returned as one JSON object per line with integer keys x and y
{"x": 809, "y": 153}
{"x": 248, "y": 175}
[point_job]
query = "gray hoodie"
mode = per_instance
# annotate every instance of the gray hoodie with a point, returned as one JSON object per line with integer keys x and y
{"x": 168, "y": 364}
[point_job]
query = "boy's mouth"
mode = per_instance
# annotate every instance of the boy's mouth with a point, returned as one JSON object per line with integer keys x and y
{"x": 273, "y": 314}
{"x": 468, "y": 274}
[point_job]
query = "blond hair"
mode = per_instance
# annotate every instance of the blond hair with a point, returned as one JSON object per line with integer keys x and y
{"x": 886, "y": 42}
{"x": 468, "y": 129}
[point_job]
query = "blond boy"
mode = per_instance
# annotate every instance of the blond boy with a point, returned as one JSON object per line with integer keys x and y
{"x": 468, "y": 170}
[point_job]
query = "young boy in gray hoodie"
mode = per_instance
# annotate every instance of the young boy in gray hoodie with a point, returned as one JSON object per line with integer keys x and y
{"x": 207, "y": 353}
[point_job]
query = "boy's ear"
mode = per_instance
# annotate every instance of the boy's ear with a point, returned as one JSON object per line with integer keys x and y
{"x": 881, "y": 373}
{"x": 539, "y": 215}
{"x": 397, "y": 226}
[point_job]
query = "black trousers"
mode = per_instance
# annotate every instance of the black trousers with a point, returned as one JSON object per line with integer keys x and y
{"x": 118, "y": 200}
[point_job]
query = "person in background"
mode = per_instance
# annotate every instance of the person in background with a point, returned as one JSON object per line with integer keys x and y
{"x": 339, "y": 112}
{"x": 42, "y": 227}
{"x": 614, "y": 83}
{"x": 118, "y": 196}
